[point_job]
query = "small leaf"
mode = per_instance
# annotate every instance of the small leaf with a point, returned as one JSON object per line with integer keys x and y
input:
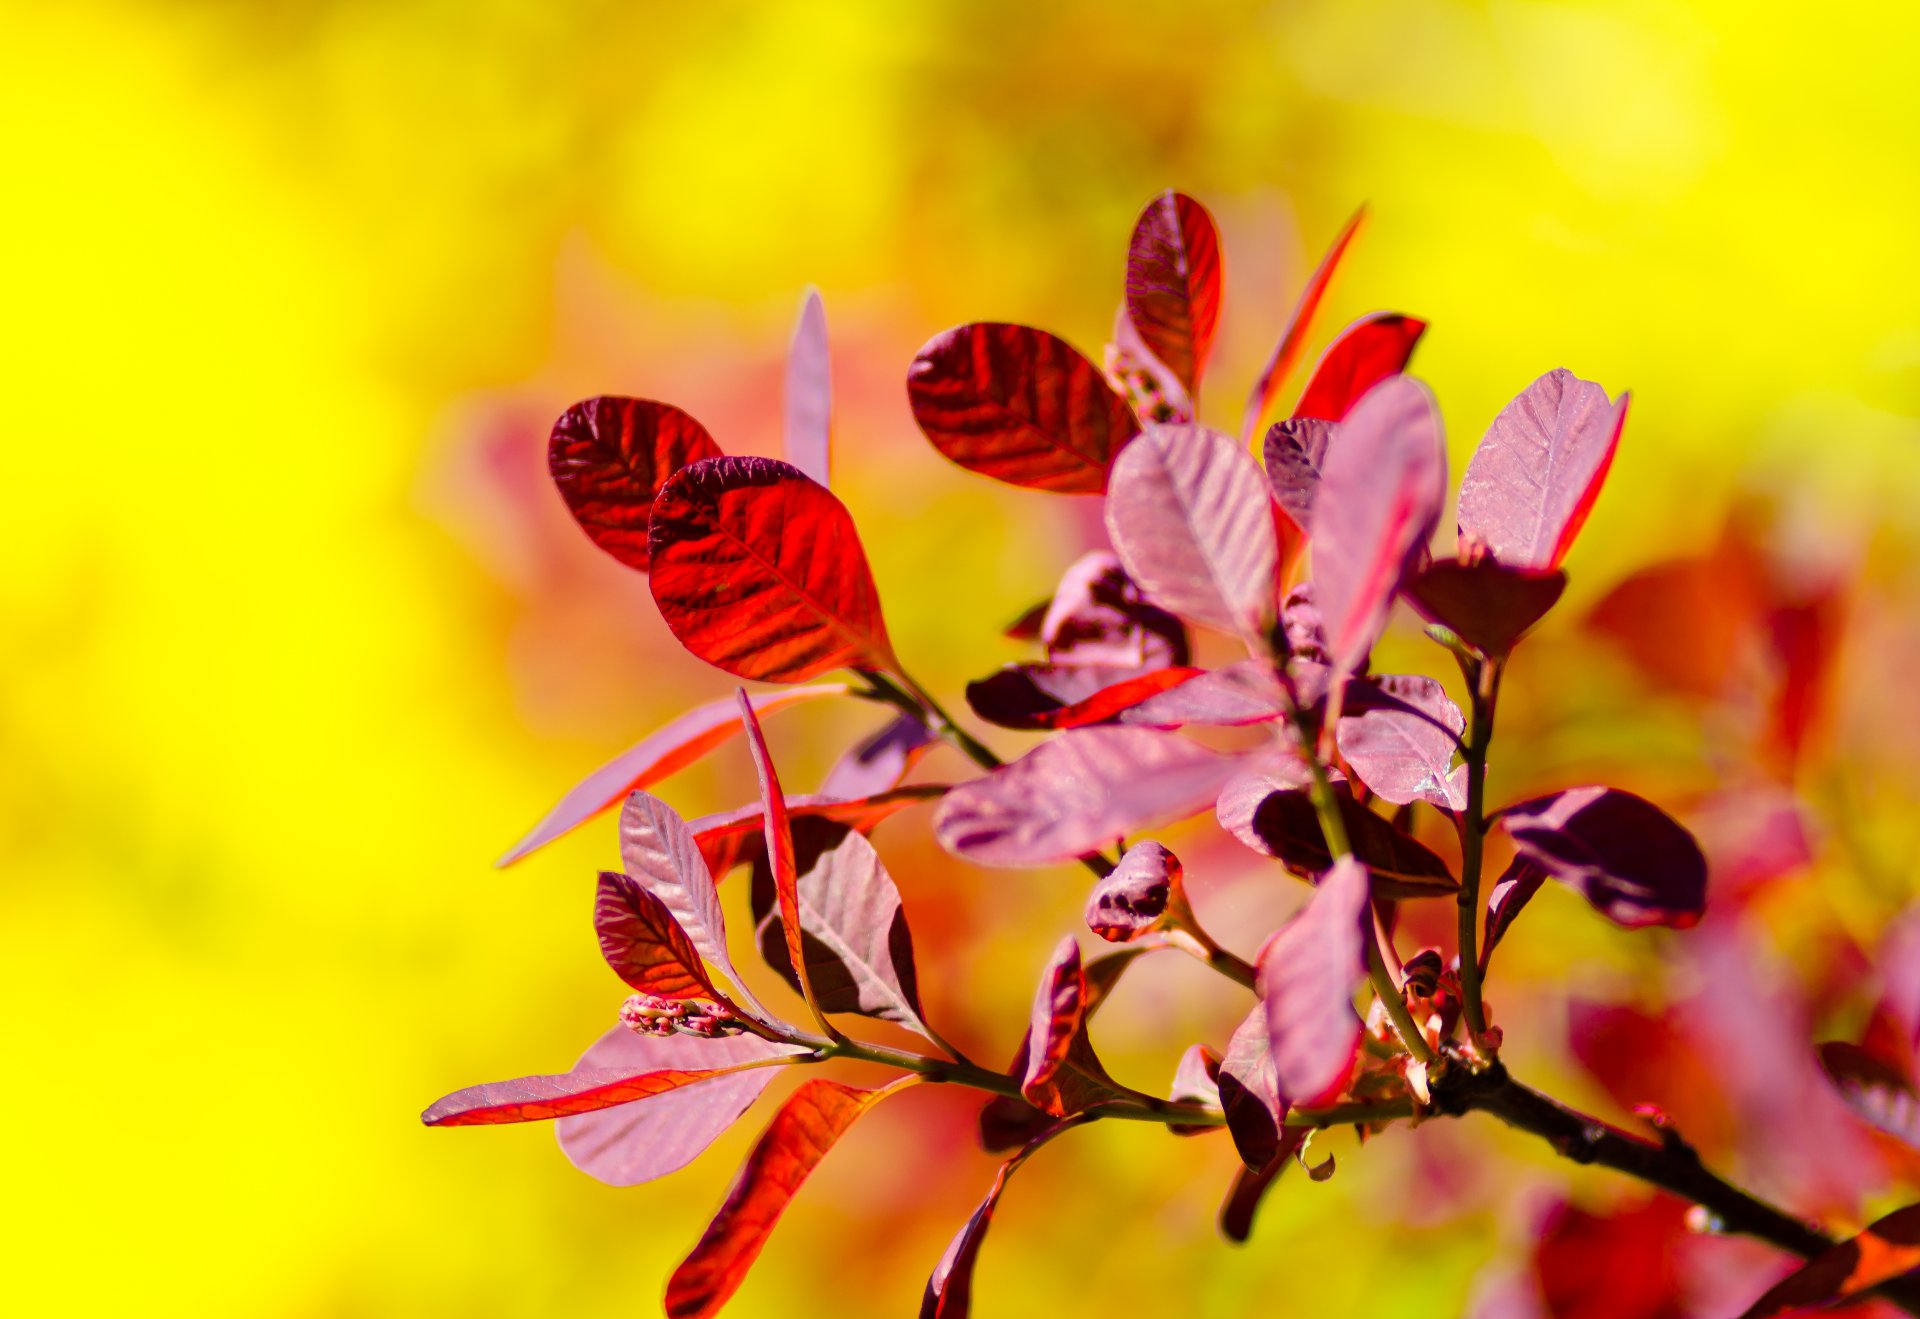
{"x": 1309, "y": 972}
{"x": 809, "y": 394}
{"x": 1063, "y": 1076}
{"x": 1286, "y": 353}
{"x": 880, "y": 760}
{"x": 1538, "y": 470}
{"x": 806, "y": 1127}
{"x": 1487, "y": 604}
{"x": 1191, "y": 517}
{"x": 1173, "y": 283}
{"x": 610, "y": 456}
{"x": 733, "y": 838}
{"x": 1250, "y": 1187}
{"x": 1511, "y": 893}
{"x": 1295, "y": 451}
{"x": 949, "y": 1293}
{"x": 1019, "y": 405}
{"x": 1129, "y": 902}
{"x": 1242, "y": 693}
{"x": 759, "y": 571}
{"x": 1196, "y": 1080}
{"x": 634, "y": 1143}
{"x": 858, "y": 951}
{"x": 1098, "y": 617}
{"x": 1077, "y": 792}
{"x": 1888, "y": 1249}
{"x": 1879, "y": 1092}
{"x": 1380, "y": 495}
{"x": 1149, "y": 386}
{"x": 643, "y": 943}
{"x": 1250, "y": 1093}
{"x": 674, "y": 747}
{"x": 659, "y": 853}
{"x": 1023, "y": 695}
{"x": 1400, "y": 740}
{"x": 1282, "y": 823}
{"x": 1634, "y": 863}
{"x": 1367, "y": 352}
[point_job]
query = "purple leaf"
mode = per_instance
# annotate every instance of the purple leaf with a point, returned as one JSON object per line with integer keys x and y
{"x": 1250, "y": 1092}
{"x": 1295, "y": 451}
{"x": 949, "y": 1293}
{"x": 1511, "y": 893}
{"x": 680, "y": 743}
{"x": 733, "y": 838}
{"x": 659, "y": 853}
{"x": 1309, "y": 971}
{"x": 610, "y": 456}
{"x": 1400, "y": 740}
{"x": 809, "y": 396}
{"x": 1063, "y": 1076}
{"x": 1196, "y": 1080}
{"x": 1173, "y": 284}
{"x": 1030, "y": 696}
{"x": 880, "y": 760}
{"x": 1242, "y": 693}
{"x": 1129, "y": 902}
{"x": 859, "y": 954}
{"x": 1380, "y": 495}
{"x": 1099, "y": 617}
{"x": 1367, "y": 352}
{"x": 1077, "y": 792}
{"x": 644, "y": 945}
{"x": 1283, "y": 824}
{"x": 1633, "y": 862}
{"x": 1286, "y": 353}
{"x": 1486, "y": 604}
{"x": 1191, "y": 517}
{"x": 1538, "y": 470}
{"x": 1875, "y": 1089}
{"x": 634, "y": 1143}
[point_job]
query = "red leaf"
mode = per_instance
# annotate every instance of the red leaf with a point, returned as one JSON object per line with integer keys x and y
{"x": 1019, "y": 405}
{"x": 1539, "y": 469}
{"x": 949, "y": 1293}
{"x": 1367, "y": 352}
{"x": 1242, "y": 693}
{"x": 634, "y": 1143}
{"x": 1129, "y": 902}
{"x": 1632, "y": 860}
{"x": 733, "y": 838}
{"x": 1281, "y": 822}
{"x": 1380, "y": 495}
{"x": 881, "y": 759}
{"x": 779, "y": 835}
{"x": 1888, "y": 1249}
{"x": 660, "y": 854}
{"x": 586, "y": 1088}
{"x": 1028, "y": 696}
{"x": 859, "y": 955}
{"x": 1487, "y": 604}
{"x": 809, "y": 395}
{"x": 643, "y": 943}
{"x": 1511, "y": 893}
{"x": 610, "y": 456}
{"x": 1622, "y": 1265}
{"x": 1192, "y": 519}
{"x": 677, "y": 745}
{"x": 1250, "y": 1093}
{"x": 759, "y": 571}
{"x": 1400, "y": 740}
{"x": 1286, "y": 354}
{"x": 1873, "y": 1088}
{"x": 1309, "y": 971}
{"x": 1077, "y": 792}
{"x": 1250, "y": 1187}
{"x": 1063, "y": 1076}
{"x": 1149, "y": 386}
{"x": 806, "y": 1127}
{"x": 1173, "y": 283}
{"x": 1295, "y": 451}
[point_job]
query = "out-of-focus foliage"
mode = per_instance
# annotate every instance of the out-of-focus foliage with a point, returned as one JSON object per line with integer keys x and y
{"x": 295, "y": 640}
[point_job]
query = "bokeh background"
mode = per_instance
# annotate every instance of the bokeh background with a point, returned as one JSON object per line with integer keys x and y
{"x": 295, "y": 638}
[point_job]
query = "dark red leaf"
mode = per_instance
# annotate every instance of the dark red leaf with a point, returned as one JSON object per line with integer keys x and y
{"x": 809, "y": 395}
{"x": 949, "y": 1293}
{"x": 733, "y": 838}
{"x": 610, "y": 456}
{"x": 806, "y": 1127}
{"x": 1129, "y": 902}
{"x": 1250, "y": 1092}
{"x": 1875, "y": 1089}
{"x": 1632, "y": 860}
{"x": 1063, "y": 1076}
{"x": 1367, "y": 352}
{"x": 677, "y": 745}
{"x": 1622, "y": 1265}
{"x": 1380, "y": 495}
{"x": 1400, "y": 739}
{"x": 859, "y": 954}
{"x": 1487, "y": 604}
{"x": 1293, "y": 342}
{"x": 1282, "y": 823}
{"x": 1309, "y": 972}
{"x": 589, "y": 1087}
{"x": 758, "y": 570}
{"x": 1019, "y": 405}
{"x": 1077, "y": 792}
{"x": 634, "y": 1143}
{"x": 643, "y": 943}
{"x": 1889, "y": 1248}
{"x": 1028, "y": 696}
{"x": 1511, "y": 893}
{"x": 1242, "y": 693}
{"x": 1538, "y": 470}
{"x": 881, "y": 759}
{"x": 1173, "y": 283}
{"x": 1295, "y": 451}
{"x": 1099, "y": 618}
{"x": 1191, "y": 518}
{"x": 660, "y": 855}
{"x": 1250, "y": 1187}
{"x": 778, "y": 830}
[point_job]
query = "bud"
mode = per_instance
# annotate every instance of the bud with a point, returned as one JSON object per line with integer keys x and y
{"x": 1137, "y": 896}
{"x": 649, "y": 1014}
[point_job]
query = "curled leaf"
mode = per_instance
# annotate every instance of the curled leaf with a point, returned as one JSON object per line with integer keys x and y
{"x": 1098, "y": 617}
{"x": 1173, "y": 283}
{"x": 1367, "y": 352}
{"x": 809, "y": 393}
{"x": 1309, "y": 972}
{"x": 1063, "y": 1076}
{"x": 1131, "y": 901}
{"x": 1633, "y": 861}
{"x": 609, "y": 457}
{"x": 778, "y": 830}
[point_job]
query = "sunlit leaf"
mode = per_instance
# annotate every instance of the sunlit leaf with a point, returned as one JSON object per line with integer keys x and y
{"x": 1063, "y": 1076}
{"x": 1309, "y": 972}
{"x": 1510, "y": 895}
{"x": 858, "y": 951}
{"x": 1098, "y": 617}
{"x": 733, "y": 838}
{"x": 659, "y": 853}
{"x": 1367, "y": 352}
{"x": 1129, "y": 902}
{"x": 1293, "y": 341}
{"x": 880, "y": 760}
{"x": 1033, "y": 696}
{"x": 809, "y": 393}
{"x": 1242, "y": 693}
{"x": 1400, "y": 738}
{"x": 778, "y": 831}
{"x": 643, "y": 943}
{"x": 949, "y": 1293}
{"x": 1487, "y": 604}
{"x": 1633, "y": 861}
{"x": 758, "y": 570}
{"x": 1250, "y": 1092}
{"x": 1889, "y": 1248}
{"x": 610, "y": 456}
{"x": 1173, "y": 283}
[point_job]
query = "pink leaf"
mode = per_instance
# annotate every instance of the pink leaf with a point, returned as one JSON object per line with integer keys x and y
{"x": 1380, "y": 495}
{"x": 1293, "y": 341}
{"x": 1129, "y": 902}
{"x": 1250, "y": 1092}
{"x": 778, "y": 830}
{"x": 1063, "y": 1076}
{"x": 643, "y": 943}
{"x": 1099, "y": 617}
{"x": 1367, "y": 352}
{"x": 880, "y": 760}
{"x": 1401, "y": 738}
{"x": 610, "y": 456}
{"x": 809, "y": 396}
{"x": 659, "y": 853}
{"x": 1309, "y": 972}
{"x": 1295, "y": 451}
{"x": 1632, "y": 860}
{"x": 1191, "y": 517}
{"x": 733, "y": 838}
{"x": 1245, "y": 692}
{"x": 1486, "y": 604}
{"x": 859, "y": 954}
{"x": 1539, "y": 469}
{"x": 1077, "y": 792}
{"x": 1173, "y": 284}
{"x": 677, "y": 745}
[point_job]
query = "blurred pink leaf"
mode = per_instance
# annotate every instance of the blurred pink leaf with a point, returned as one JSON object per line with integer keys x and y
{"x": 1030, "y": 696}
{"x": 1309, "y": 972}
{"x": 1400, "y": 740}
{"x": 1245, "y": 692}
{"x": 809, "y": 392}
{"x": 1098, "y": 617}
{"x": 1875, "y": 1089}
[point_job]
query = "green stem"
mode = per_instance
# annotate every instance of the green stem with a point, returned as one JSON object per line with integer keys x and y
{"x": 1483, "y": 684}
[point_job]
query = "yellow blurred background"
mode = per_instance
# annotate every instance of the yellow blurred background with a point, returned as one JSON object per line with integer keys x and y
{"x": 296, "y": 640}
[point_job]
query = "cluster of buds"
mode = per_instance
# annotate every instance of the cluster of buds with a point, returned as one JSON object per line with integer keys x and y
{"x": 1431, "y": 991}
{"x": 649, "y": 1014}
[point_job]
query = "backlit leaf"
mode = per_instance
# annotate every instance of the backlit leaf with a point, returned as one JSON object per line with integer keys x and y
{"x": 1077, "y": 792}
{"x": 1019, "y": 405}
{"x": 1367, "y": 352}
{"x": 778, "y": 831}
{"x": 1242, "y": 693}
{"x": 859, "y": 954}
{"x": 1309, "y": 972}
{"x": 758, "y": 570}
{"x": 1130, "y": 901}
{"x": 1487, "y": 604}
{"x": 1875, "y": 1089}
{"x": 1400, "y": 739}
{"x": 880, "y": 760}
{"x": 1293, "y": 341}
{"x": 1019, "y": 697}
{"x": 1889, "y": 1248}
{"x": 1173, "y": 283}
{"x": 1510, "y": 895}
{"x": 733, "y": 838}
{"x": 610, "y": 456}
{"x": 1295, "y": 450}
{"x": 1538, "y": 470}
{"x": 1063, "y": 1076}
{"x": 1633, "y": 861}
{"x": 814, "y": 1117}
{"x": 809, "y": 393}
{"x": 1098, "y": 617}
{"x": 1281, "y": 822}
{"x": 643, "y": 943}
{"x": 659, "y": 853}
{"x": 1250, "y": 1092}
{"x": 1148, "y": 384}
{"x": 949, "y": 1293}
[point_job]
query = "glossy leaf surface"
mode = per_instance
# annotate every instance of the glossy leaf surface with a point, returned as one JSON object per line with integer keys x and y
{"x": 1293, "y": 341}
{"x": 643, "y": 943}
{"x": 1367, "y": 352}
{"x": 1309, "y": 972}
{"x": 809, "y": 392}
{"x": 1400, "y": 740}
{"x": 1634, "y": 863}
{"x": 609, "y": 457}
{"x": 1173, "y": 284}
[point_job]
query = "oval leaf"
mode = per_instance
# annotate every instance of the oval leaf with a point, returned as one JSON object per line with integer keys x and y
{"x": 1367, "y": 352}
{"x": 1309, "y": 972}
{"x": 1078, "y": 792}
{"x": 1633, "y": 861}
{"x": 1173, "y": 283}
{"x": 1129, "y": 902}
{"x": 1063, "y": 1076}
{"x": 643, "y": 943}
{"x": 859, "y": 954}
{"x": 1538, "y": 470}
{"x": 1019, "y": 405}
{"x": 1286, "y": 353}
{"x": 1401, "y": 738}
{"x": 610, "y": 456}
{"x": 758, "y": 570}
{"x": 659, "y": 853}
{"x": 1191, "y": 518}
{"x": 809, "y": 394}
